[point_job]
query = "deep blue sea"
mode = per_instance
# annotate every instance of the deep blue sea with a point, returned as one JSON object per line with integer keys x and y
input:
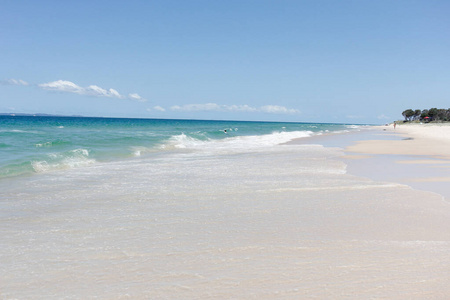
{"x": 35, "y": 144}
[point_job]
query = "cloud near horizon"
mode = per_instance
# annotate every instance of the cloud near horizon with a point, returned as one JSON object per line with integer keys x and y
{"x": 276, "y": 109}
{"x": 13, "y": 81}
{"x": 272, "y": 109}
{"x": 136, "y": 97}
{"x": 92, "y": 90}
{"x": 383, "y": 117}
{"x": 354, "y": 116}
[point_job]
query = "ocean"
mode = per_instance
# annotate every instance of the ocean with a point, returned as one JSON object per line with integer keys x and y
{"x": 98, "y": 208}
{"x": 34, "y": 145}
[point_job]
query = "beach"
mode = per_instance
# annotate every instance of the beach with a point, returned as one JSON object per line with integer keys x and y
{"x": 224, "y": 150}
{"x": 419, "y": 156}
{"x": 236, "y": 218}
{"x": 431, "y": 140}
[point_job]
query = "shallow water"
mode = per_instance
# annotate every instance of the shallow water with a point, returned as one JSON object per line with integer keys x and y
{"x": 30, "y": 145}
{"x": 224, "y": 221}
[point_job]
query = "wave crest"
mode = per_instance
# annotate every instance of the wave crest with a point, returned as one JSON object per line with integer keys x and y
{"x": 65, "y": 160}
{"x": 233, "y": 144}
{"x": 52, "y": 143}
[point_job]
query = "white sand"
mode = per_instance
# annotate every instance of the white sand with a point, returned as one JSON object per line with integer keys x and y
{"x": 419, "y": 139}
{"x": 289, "y": 223}
{"x": 414, "y": 154}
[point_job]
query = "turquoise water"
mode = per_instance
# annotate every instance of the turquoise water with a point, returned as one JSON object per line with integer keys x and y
{"x": 31, "y": 145}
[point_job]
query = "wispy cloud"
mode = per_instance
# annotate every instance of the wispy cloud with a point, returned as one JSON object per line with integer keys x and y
{"x": 13, "y": 81}
{"x": 136, "y": 97}
{"x": 276, "y": 109}
{"x": 159, "y": 108}
{"x": 273, "y": 109}
{"x": 62, "y": 86}
{"x": 92, "y": 90}
{"x": 383, "y": 117}
{"x": 354, "y": 117}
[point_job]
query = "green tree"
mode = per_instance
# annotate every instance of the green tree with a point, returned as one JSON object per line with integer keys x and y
{"x": 447, "y": 115}
{"x": 441, "y": 114}
{"x": 417, "y": 114}
{"x": 424, "y": 114}
{"x": 433, "y": 114}
{"x": 408, "y": 114}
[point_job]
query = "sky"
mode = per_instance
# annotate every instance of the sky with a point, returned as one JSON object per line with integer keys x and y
{"x": 360, "y": 61}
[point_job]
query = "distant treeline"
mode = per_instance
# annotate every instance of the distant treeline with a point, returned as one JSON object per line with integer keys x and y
{"x": 427, "y": 115}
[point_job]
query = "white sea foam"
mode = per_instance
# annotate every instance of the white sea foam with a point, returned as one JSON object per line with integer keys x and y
{"x": 137, "y": 152}
{"x": 40, "y": 166}
{"x": 57, "y": 161}
{"x": 141, "y": 150}
{"x": 20, "y": 131}
{"x": 353, "y": 126}
{"x": 46, "y": 144}
{"x": 233, "y": 144}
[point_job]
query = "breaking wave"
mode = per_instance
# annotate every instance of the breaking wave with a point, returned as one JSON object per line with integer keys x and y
{"x": 57, "y": 161}
{"x": 233, "y": 144}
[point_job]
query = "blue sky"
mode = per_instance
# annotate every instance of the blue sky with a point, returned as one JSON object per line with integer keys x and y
{"x": 307, "y": 61}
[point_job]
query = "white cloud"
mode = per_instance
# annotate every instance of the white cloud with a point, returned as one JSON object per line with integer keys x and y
{"x": 197, "y": 107}
{"x": 92, "y": 90}
{"x": 13, "y": 81}
{"x": 115, "y": 93}
{"x": 67, "y": 86}
{"x": 159, "y": 108}
{"x": 244, "y": 107}
{"x": 70, "y": 87}
{"x": 276, "y": 109}
{"x": 135, "y": 96}
{"x": 354, "y": 117}
{"x": 273, "y": 109}
{"x": 96, "y": 91}
{"x": 383, "y": 117}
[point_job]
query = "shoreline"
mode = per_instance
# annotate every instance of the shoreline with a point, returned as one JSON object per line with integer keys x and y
{"x": 279, "y": 222}
{"x": 416, "y": 155}
{"x": 419, "y": 157}
{"x": 430, "y": 140}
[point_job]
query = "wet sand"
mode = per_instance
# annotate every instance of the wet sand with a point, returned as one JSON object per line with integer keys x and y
{"x": 289, "y": 222}
{"x": 417, "y": 155}
{"x": 414, "y": 154}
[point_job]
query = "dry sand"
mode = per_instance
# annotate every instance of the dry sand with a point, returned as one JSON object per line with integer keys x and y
{"x": 419, "y": 139}
{"x": 414, "y": 154}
